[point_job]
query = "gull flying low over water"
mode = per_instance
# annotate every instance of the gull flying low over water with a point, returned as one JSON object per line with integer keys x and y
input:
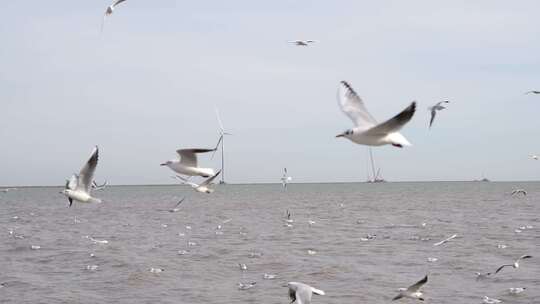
{"x": 366, "y": 130}
{"x": 187, "y": 164}
{"x": 175, "y": 209}
{"x": 203, "y": 187}
{"x": 480, "y": 276}
{"x": 302, "y": 42}
{"x": 445, "y": 240}
{"x": 516, "y": 263}
{"x": 301, "y": 293}
{"x": 109, "y": 11}
{"x": 413, "y": 291}
{"x": 78, "y": 187}
{"x": 437, "y": 107}
{"x": 285, "y": 179}
{"x": 519, "y": 191}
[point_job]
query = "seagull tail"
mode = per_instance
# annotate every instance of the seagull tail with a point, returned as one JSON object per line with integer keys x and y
{"x": 317, "y": 291}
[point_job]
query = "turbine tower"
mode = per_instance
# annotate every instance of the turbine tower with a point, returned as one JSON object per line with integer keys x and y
{"x": 221, "y": 140}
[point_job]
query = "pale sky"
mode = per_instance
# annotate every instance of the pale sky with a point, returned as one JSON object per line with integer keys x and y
{"x": 148, "y": 86}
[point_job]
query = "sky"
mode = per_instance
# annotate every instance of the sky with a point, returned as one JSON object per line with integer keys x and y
{"x": 148, "y": 85}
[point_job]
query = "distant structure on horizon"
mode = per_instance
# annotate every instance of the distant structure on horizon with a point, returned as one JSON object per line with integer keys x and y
{"x": 377, "y": 178}
{"x": 483, "y": 179}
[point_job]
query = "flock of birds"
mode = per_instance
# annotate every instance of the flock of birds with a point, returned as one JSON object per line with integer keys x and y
{"x": 365, "y": 131}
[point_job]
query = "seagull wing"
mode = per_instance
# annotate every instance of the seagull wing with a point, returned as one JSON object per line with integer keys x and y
{"x": 86, "y": 176}
{"x": 433, "y": 113}
{"x": 417, "y": 285}
{"x": 117, "y": 2}
{"x": 210, "y": 179}
{"x": 395, "y": 123}
{"x": 188, "y": 157}
{"x": 180, "y": 202}
{"x": 352, "y": 105}
{"x": 72, "y": 183}
{"x": 526, "y": 256}
{"x": 500, "y": 268}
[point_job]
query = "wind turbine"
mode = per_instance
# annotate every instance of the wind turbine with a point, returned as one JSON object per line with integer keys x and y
{"x": 221, "y": 140}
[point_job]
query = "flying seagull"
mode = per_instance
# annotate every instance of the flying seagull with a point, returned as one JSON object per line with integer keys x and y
{"x": 535, "y": 157}
{"x": 301, "y": 293}
{"x": 187, "y": 164}
{"x": 366, "y": 130}
{"x": 302, "y": 42}
{"x": 445, "y": 240}
{"x": 519, "y": 191}
{"x": 203, "y": 187}
{"x": 516, "y": 263}
{"x": 175, "y": 209}
{"x": 434, "y": 109}
{"x": 78, "y": 187}
{"x": 532, "y": 92}
{"x": 481, "y": 276}
{"x": 413, "y": 291}
{"x": 109, "y": 11}
{"x": 285, "y": 179}
{"x": 97, "y": 187}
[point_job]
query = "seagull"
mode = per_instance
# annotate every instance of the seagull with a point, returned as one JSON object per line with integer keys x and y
{"x": 78, "y": 187}
{"x": 366, "y": 130}
{"x": 480, "y": 276}
{"x": 6, "y": 190}
{"x": 301, "y": 293}
{"x": 413, "y": 291}
{"x": 242, "y": 266}
{"x": 445, "y": 240}
{"x": 434, "y": 109}
{"x": 97, "y": 187}
{"x": 245, "y": 286}
{"x": 488, "y": 300}
{"x": 519, "y": 191}
{"x": 156, "y": 270}
{"x": 302, "y": 42}
{"x": 289, "y": 219}
{"x": 533, "y": 156}
{"x": 268, "y": 276}
{"x": 109, "y": 11}
{"x": 516, "y": 290}
{"x": 202, "y": 187}
{"x": 532, "y": 92}
{"x": 187, "y": 164}
{"x": 175, "y": 209}
{"x": 516, "y": 263}
{"x": 285, "y": 179}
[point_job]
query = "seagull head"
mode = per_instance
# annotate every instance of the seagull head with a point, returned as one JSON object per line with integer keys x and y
{"x": 346, "y": 134}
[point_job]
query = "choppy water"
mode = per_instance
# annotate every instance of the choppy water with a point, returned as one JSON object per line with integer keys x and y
{"x": 141, "y": 235}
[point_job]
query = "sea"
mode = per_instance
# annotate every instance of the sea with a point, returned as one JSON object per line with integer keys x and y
{"x": 357, "y": 242}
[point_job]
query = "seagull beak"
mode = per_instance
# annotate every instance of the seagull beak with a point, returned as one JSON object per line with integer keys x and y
{"x": 340, "y": 135}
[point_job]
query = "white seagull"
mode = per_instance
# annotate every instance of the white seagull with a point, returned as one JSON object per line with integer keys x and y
{"x": 301, "y": 293}
{"x": 302, "y": 42}
{"x": 445, "y": 240}
{"x": 434, "y": 109}
{"x": 285, "y": 179}
{"x": 516, "y": 290}
{"x": 109, "y": 11}
{"x": 78, "y": 187}
{"x": 488, "y": 300}
{"x": 413, "y": 291}
{"x": 203, "y": 187}
{"x": 519, "y": 191}
{"x": 187, "y": 164}
{"x": 366, "y": 130}
{"x": 516, "y": 263}
{"x": 533, "y": 156}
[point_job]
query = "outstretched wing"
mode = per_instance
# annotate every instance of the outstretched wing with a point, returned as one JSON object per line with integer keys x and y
{"x": 417, "y": 285}
{"x": 395, "y": 123}
{"x": 500, "y": 268}
{"x": 433, "y": 113}
{"x": 209, "y": 180}
{"x": 352, "y": 105}
{"x": 117, "y": 2}
{"x": 86, "y": 176}
{"x": 188, "y": 157}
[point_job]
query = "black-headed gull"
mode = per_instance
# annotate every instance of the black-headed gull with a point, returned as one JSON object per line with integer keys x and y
{"x": 433, "y": 110}
{"x": 366, "y": 130}
{"x": 109, "y": 11}
{"x": 285, "y": 179}
{"x": 187, "y": 164}
{"x": 515, "y": 264}
{"x": 301, "y": 293}
{"x": 203, "y": 187}
{"x": 78, "y": 187}
{"x": 413, "y": 291}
